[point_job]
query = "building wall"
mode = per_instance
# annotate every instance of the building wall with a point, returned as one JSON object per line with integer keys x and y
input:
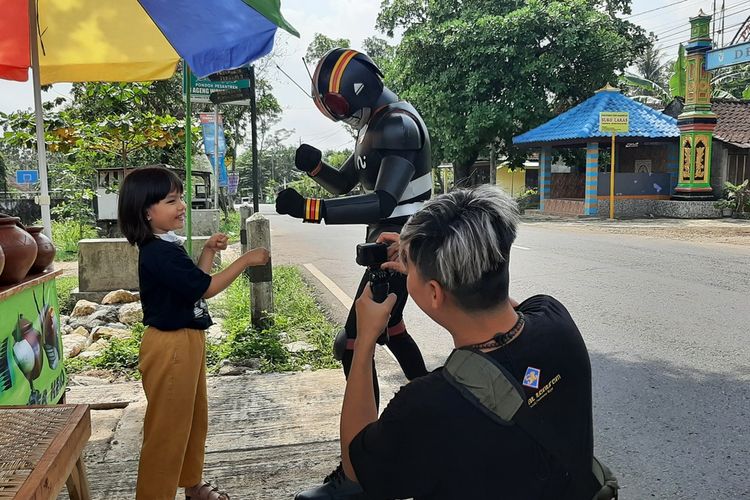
{"x": 720, "y": 165}
{"x": 657, "y": 154}
{"x": 513, "y": 183}
{"x": 570, "y": 185}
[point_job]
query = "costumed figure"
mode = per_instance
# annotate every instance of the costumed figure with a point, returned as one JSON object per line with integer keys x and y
{"x": 391, "y": 161}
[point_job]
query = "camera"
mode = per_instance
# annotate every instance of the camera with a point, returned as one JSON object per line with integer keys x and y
{"x": 372, "y": 255}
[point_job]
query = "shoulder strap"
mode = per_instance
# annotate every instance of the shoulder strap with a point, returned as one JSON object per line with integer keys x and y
{"x": 488, "y": 385}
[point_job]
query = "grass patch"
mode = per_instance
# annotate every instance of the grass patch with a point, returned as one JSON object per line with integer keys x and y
{"x": 65, "y": 285}
{"x": 231, "y": 226}
{"x": 298, "y": 317}
{"x": 119, "y": 358}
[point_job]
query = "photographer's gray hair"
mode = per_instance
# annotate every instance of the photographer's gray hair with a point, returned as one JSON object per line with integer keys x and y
{"x": 462, "y": 240}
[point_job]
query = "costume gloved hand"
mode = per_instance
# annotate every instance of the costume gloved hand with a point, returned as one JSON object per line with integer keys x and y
{"x": 307, "y": 158}
{"x": 292, "y": 203}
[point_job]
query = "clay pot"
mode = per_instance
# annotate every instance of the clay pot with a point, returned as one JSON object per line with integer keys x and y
{"x": 45, "y": 249}
{"x": 20, "y": 251}
{"x": 2, "y": 260}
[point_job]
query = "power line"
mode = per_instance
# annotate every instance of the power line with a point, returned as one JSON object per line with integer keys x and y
{"x": 684, "y": 41}
{"x": 654, "y": 10}
{"x": 677, "y": 31}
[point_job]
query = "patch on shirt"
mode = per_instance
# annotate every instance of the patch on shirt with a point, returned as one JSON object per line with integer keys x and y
{"x": 531, "y": 379}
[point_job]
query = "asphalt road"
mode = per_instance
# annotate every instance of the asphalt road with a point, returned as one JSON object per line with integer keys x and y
{"x": 667, "y": 325}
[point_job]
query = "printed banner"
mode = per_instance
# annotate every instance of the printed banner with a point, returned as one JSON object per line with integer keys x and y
{"x": 207, "y": 124}
{"x": 223, "y": 177}
{"x": 31, "y": 355}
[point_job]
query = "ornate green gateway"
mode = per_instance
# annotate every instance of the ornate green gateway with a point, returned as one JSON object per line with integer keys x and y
{"x": 696, "y": 122}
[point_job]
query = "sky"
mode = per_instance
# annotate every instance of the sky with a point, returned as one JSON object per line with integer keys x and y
{"x": 355, "y": 20}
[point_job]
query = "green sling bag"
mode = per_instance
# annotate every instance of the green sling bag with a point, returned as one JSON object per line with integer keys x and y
{"x": 489, "y": 386}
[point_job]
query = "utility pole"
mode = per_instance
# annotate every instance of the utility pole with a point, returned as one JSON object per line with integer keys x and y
{"x": 254, "y": 119}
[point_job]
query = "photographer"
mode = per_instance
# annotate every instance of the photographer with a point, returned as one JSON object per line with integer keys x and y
{"x": 433, "y": 441}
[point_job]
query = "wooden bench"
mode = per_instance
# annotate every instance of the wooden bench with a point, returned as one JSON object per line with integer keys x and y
{"x": 41, "y": 449}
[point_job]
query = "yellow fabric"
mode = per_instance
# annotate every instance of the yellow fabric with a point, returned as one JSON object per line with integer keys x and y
{"x": 173, "y": 370}
{"x": 101, "y": 40}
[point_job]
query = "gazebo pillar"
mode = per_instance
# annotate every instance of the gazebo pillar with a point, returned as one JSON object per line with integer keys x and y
{"x": 591, "y": 199}
{"x": 545, "y": 176}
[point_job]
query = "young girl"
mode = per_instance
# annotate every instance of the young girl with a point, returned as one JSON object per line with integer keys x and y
{"x": 173, "y": 349}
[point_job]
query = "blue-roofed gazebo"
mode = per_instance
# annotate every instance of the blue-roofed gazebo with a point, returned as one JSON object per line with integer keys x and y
{"x": 647, "y": 156}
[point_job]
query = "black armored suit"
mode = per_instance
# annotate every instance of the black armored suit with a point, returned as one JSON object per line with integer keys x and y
{"x": 391, "y": 162}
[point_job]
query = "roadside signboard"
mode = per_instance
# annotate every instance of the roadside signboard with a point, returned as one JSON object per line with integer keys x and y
{"x": 613, "y": 122}
{"x": 201, "y": 89}
{"x": 234, "y": 181}
{"x": 727, "y": 56}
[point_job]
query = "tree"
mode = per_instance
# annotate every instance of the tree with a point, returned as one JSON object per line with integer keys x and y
{"x": 726, "y": 83}
{"x": 483, "y": 71}
{"x": 650, "y": 83}
{"x": 3, "y": 174}
{"x": 380, "y": 51}
{"x": 322, "y": 44}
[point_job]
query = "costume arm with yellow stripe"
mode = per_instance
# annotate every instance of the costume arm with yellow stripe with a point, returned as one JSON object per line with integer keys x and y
{"x": 314, "y": 210}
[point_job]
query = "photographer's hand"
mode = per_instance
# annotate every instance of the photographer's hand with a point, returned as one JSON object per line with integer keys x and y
{"x": 372, "y": 317}
{"x": 394, "y": 253}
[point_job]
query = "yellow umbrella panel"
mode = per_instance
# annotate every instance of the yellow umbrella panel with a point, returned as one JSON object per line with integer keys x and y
{"x": 101, "y": 40}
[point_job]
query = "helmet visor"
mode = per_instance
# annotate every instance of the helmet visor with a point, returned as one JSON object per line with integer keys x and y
{"x": 336, "y": 104}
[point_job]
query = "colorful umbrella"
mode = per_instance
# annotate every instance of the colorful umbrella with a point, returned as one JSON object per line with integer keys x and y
{"x": 127, "y": 41}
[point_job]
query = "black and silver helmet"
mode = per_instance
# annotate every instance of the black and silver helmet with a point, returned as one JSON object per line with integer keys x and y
{"x": 346, "y": 84}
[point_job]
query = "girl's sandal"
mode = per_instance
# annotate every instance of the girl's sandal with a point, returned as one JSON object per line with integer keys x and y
{"x": 206, "y": 491}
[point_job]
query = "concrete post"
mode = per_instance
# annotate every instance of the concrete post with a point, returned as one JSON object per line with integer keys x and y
{"x": 545, "y": 176}
{"x": 261, "y": 295}
{"x": 245, "y": 212}
{"x": 591, "y": 199}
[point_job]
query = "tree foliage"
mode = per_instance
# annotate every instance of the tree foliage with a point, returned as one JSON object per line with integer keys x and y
{"x": 322, "y": 44}
{"x": 482, "y": 71}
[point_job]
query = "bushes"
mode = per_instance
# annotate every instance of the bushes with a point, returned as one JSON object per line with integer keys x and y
{"x": 65, "y": 285}
{"x": 66, "y": 234}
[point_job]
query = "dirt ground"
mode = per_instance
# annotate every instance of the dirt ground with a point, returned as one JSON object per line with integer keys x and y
{"x": 721, "y": 231}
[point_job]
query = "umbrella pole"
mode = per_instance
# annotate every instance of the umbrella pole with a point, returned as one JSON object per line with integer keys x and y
{"x": 41, "y": 147}
{"x": 188, "y": 159}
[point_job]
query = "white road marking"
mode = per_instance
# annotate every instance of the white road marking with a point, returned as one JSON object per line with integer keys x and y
{"x": 337, "y": 292}
{"x": 521, "y": 248}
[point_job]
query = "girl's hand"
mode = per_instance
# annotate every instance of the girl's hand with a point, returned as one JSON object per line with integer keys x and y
{"x": 257, "y": 257}
{"x": 372, "y": 317}
{"x": 394, "y": 252}
{"x": 217, "y": 242}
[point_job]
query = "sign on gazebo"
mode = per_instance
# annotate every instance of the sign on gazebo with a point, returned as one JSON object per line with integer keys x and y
{"x": 613, "y": 122}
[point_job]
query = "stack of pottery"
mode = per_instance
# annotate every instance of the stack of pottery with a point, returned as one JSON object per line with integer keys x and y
{"x": 20, "y": 250}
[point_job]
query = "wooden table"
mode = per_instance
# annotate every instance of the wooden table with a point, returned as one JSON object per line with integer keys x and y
{"x": 41, "y": 450}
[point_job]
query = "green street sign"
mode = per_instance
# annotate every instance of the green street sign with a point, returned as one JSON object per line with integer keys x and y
{"x": 613, "y": 122}
{"x": 201, "y": 89}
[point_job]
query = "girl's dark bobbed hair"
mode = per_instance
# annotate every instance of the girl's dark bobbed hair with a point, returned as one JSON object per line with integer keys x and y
{"x": 142, "y": 188}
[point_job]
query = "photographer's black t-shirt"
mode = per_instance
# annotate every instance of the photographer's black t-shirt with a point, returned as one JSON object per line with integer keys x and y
{"x": 172, "y": 287}
{"x": 431, "y": 443}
